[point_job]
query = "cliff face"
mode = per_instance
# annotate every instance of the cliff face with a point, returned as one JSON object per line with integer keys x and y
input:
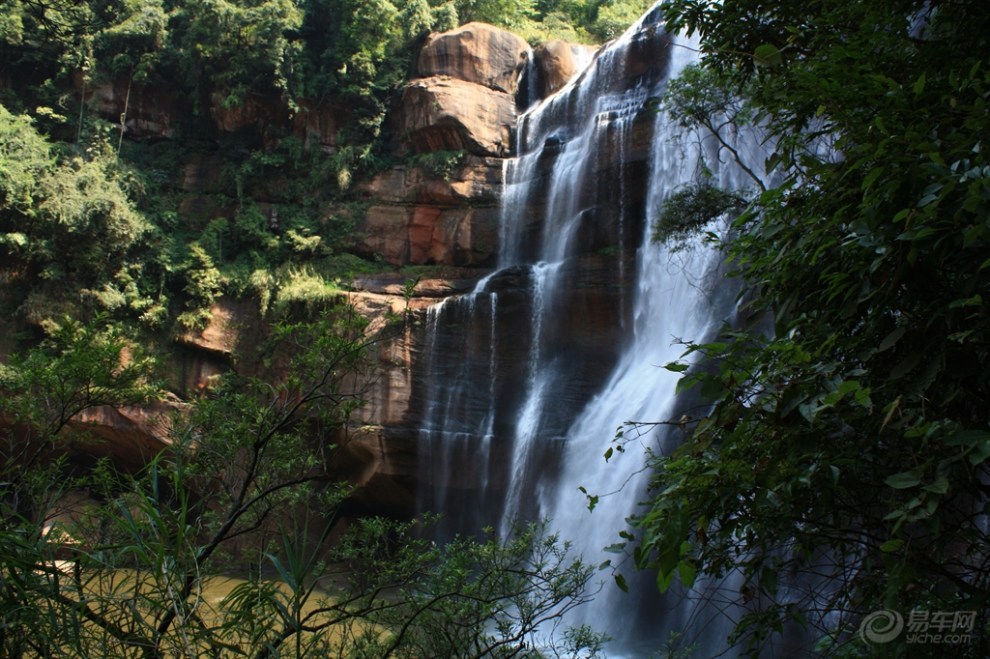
{"x": 460, "y": 108}
{"x": 437, "y": 205}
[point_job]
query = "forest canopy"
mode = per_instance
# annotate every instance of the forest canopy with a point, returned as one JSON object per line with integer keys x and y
{"x": 69, "y": 175}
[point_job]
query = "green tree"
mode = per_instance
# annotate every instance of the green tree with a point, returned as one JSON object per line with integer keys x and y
{"x": 25, "y": 156}
{"x": 614, "y": 16}
{"x": 234, "y": 48}
{"x": 132, "y": 38}
{"x": 507, "y": 13}
{"x": 243, "y": 487}
{"x": 71, "y": 237}
{"x": 75, "y": 369}
{"x": 851, "y": 442}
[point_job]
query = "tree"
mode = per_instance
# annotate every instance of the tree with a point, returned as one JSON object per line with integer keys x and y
{"x": 234, "y": 48}
{"x": 506, "y": 13}
{"x": 851, "y": 442}
{"x": 242, "y": 488}
{"x": 71, "y": 238}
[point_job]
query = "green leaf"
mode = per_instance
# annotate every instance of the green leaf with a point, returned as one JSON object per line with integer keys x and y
{"x": 891, "y": 339}
{"x": 620, "y": 581}
{"x": 592, "y": 499}
{"x": 980, "y": 453}
{"x": 902, "y": 214}
{"x": 768, "y": 55}
{"x": 905, "y": 366}
{"x": 904, "y": 480}
{"x": 687, "y": 572}
{"x": 975, "y": 301}
{"x": 892, "y": 545}
{"x": 871, "y": 178}
{"x": 930, "y": 194}
{"x": 975, "y": 443}
{"x": 664, "y": 580}
{"x": 940, "y": 486}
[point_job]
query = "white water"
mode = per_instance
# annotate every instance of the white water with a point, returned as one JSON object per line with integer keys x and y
{"x": 673, "y": 302}
{"x": 546, "y": 208}
{"x": 678, "y": 298}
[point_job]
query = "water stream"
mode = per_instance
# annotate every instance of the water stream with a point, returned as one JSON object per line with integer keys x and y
{"x": 532, "y": 373}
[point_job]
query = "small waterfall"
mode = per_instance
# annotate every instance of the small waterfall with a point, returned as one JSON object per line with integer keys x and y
{"x": 525, "y": 392}
{"x": 457, "y": 423}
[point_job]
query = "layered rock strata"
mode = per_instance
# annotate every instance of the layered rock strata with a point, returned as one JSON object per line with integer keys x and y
{"x": 439, "y": 206}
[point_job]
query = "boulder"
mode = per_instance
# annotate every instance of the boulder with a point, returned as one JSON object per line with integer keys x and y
{"x": 129, "y": 435}
{"x": 477, "y": 53}
{"x": 222, "y": 331}
{"x": 557, "y": 62}
{"x": 446, "y": 114}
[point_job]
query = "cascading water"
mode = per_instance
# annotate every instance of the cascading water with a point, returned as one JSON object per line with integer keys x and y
{"x": 566, "y": 340}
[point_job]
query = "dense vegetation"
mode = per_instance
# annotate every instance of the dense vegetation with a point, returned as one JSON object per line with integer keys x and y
{"x": 217, "y": 546}
{"x": 68, "y": 176}
{"x": 96, "y": 247}
{"x": 842, "y": 468}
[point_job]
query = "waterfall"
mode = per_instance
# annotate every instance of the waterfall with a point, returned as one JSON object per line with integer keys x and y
{"x": 566, "y": 340}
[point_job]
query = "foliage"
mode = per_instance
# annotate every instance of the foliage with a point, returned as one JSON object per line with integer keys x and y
{"x": 305, "y": 287}
{"x": 842, "y": 466}
{"x": 244, "y": 486}
{"x": 507, "y": 13}
{"x": 701, "y": 98}
{"x": 70, "y": 235}
{"x": 90, "y": 220}
{"x": 439, "y": 163}
{"x": 134, "y": 35}
{"x": 613, "y": 17}
{"x": 234, "y": 48}
{"x": 688, "y": 210}
{"x": 76, "y": 368}
{"x": 474, "y": 598}
{"x": 203, "y": 286}
{"x": 24, "y": 157}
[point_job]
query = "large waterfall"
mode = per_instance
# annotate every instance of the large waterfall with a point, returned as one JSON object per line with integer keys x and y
{"x": 529, "y": 376}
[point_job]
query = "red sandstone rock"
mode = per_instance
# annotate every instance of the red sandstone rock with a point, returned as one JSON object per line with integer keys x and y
{"x": 476, "y": 181}
{"x": 446, "y": 114}
{"x": 558, "y": 61}
{"x": 131, "y": 435}
{"x": 145, "y": 111}
{"x": 478, "y": 53}
{"x": 430, "y": 235}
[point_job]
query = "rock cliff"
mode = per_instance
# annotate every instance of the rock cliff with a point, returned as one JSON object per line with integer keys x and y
{"x": 437, "y": 205}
